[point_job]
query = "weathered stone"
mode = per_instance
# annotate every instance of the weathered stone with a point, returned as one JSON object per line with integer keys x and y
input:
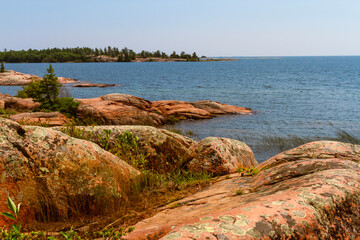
{"x": 40, "y": 118}
{"x": 123, "y": 109}
{"x": 297, "y": 195}
{"x": 221, "y": 156}
{"x": 119, "y": 109}
{"x": 56, "y": 176}
{"x": 164, "y": 150}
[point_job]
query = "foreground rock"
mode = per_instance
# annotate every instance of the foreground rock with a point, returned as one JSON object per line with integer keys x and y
{"x": 221, "y": 156}
{"x": 123, "y": 109}
{"x": 40, "y": 118}
{"x": 12, "y": 78}
{"x": 297, "y": 195}
{"x": 55, "y": 176}
{"x": 166, "y": 151}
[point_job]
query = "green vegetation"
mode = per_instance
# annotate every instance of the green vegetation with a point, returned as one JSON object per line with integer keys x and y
{"x": 46, "y": 91}
{"x": 2, "y": 68}
{"x": 248, "y": 171}
{"x": 86, "y": 54}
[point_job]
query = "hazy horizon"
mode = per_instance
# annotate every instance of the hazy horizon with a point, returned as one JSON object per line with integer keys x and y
{"x": 212, "y": 28}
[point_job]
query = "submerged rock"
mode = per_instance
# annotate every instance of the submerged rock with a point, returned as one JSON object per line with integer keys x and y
{"x": 297, "y": 195}
{"x": 55, "y": 176}
{"x": 222, "y": 156}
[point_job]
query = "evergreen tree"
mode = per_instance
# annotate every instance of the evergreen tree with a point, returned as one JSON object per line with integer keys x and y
{"x": 2, "y": 68}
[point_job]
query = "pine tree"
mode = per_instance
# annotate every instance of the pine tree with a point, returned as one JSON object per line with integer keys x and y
{"x": 2, "y": 68}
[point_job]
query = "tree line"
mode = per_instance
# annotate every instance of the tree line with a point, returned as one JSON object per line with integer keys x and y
{"x": 85, "y": 54}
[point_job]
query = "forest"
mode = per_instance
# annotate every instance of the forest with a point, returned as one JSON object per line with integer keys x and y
{"x": 86, "y": 54}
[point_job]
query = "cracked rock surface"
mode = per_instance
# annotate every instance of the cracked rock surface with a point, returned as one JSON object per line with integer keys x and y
{"x": 310, "y": 192}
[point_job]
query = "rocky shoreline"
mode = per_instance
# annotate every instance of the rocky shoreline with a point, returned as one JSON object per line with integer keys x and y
{"x": 124, "y": 109}
{"x": 13, "y": 78}
{"x": 307, "y": 192}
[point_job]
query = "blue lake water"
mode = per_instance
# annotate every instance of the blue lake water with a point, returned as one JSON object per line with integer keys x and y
{"x": 303, "y": 96}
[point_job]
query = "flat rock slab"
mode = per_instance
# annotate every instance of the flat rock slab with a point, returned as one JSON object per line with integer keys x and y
{"x": 307, "y": 198}
{"x": 13, "y": 78}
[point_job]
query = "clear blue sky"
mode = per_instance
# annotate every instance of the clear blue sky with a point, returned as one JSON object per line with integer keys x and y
{"x": 209, "y": 27}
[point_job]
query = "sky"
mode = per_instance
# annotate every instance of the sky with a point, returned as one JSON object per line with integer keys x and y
{"x": 208, "y": 27}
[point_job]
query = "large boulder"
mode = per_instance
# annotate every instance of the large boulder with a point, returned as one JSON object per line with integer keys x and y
{"x": 55, "y": 176}
{"x": 221, "y": 156}
{"x": 40, "y": 118}
{"x": 119, "y": 109}
{"x": 164, "y": 150}
{"x": 306, "y": 196}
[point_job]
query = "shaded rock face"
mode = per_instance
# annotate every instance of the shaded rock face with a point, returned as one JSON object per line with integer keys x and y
{"x": 37, "y": 118}
{"x": 221, "y": 156}
{"x": 55, "y": 176}
{"x": 12, "y": 78}
{"x": 9, "y": 102}
{"x": 165, "y": 150}
{"x": 123, "y": 109}
{"x": 291, "y": 198}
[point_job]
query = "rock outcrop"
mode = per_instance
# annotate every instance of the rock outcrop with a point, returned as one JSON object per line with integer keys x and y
{"x": 9, "y": 102}
{"x": 40, "y": 118}
{"x": 12, "y": 78}
{"x": 221, "y": 156}
{"x": 119, "y": 109}
{"x": 55, "y": 176}
{"x": 310, "y": 192}
{"x": 122, "y": 109}
{"x": 166, "y": 151}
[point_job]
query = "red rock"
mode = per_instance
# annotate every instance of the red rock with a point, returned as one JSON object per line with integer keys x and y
{"x": 38, "y": 118}
{"x": 119, "y": 109}
{"x": 9, "y": 102}
{"x": 48, "y": 172}
{"x": 222, "y": 156}
{"x": 297, "y": 195}
{"x": 123, "y": 109}
{"x": 180, "y": 110}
